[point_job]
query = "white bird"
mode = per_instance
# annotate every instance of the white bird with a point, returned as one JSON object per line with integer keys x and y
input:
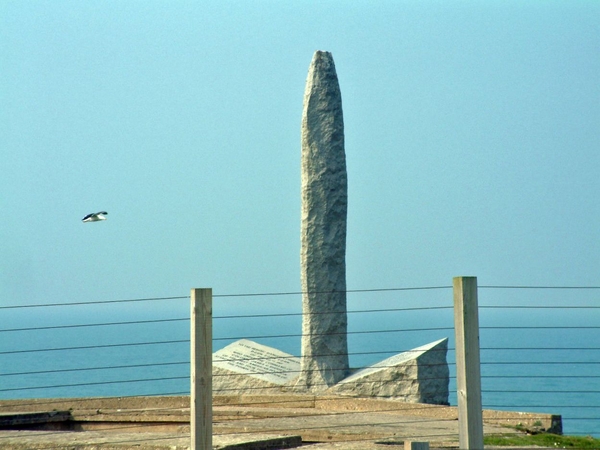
{"x": 95, "y": 217}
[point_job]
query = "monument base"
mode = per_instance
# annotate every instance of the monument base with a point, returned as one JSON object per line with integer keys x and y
{"x": 420, "y": 375}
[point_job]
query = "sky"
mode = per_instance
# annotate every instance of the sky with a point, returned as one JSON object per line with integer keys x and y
{"x": 471, "y": 137}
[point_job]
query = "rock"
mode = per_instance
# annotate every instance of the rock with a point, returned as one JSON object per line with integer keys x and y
{"x": 420, "y": 375}
{"x": 252, "y": 368}
{"x": 323, "y": 229}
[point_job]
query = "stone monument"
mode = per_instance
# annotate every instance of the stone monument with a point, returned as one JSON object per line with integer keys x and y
{"x": 420, "y": 375}
{"x": 245, "y": 367}
{"x": 324, "y": 359}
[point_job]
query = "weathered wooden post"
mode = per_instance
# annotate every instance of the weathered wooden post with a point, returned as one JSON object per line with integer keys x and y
{"x": 468, "y": 375}
{"x": 201, "y": 370}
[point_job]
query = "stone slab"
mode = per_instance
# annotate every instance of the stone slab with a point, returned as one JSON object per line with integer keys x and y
{"x": 392, "y": 361}
{"x": 420, "y": 375}
{"x": 259, "y": 361}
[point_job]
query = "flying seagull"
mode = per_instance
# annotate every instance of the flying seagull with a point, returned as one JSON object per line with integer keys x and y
{"x": 95, "y": 217}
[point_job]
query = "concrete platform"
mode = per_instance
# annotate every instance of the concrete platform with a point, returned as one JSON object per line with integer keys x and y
{"x": 119, "y": 440}
{"x": 242, "y": 422}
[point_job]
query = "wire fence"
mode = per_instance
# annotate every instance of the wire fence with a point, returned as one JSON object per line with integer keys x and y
{"x": 540, "y": 350}
{"x": 543, "y": 355}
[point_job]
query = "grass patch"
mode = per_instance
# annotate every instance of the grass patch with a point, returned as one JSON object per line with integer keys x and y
{"x": 543, "y": 440}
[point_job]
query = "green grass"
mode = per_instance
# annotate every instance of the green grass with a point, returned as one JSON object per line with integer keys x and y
{"x": 543, "y": 440}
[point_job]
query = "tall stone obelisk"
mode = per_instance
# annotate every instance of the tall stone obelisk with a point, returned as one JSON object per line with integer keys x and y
{"x": 323, "y": 229}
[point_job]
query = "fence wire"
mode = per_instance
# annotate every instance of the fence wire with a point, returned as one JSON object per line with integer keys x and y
{"x": 499, "y": 390}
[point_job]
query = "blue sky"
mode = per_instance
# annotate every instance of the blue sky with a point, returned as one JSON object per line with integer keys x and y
{"x": 472, "y": 137}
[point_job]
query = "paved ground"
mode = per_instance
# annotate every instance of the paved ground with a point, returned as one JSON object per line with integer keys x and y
{"x": 88, "y": 440}
{"x": 96, "y": 440}
{"x": 249, "y": 423}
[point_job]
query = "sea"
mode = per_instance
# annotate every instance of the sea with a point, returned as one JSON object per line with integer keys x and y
{"x": 539, "y": 352}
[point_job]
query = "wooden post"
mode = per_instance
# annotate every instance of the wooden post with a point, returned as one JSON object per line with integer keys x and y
{"x": 468, "y": 376}
{"x": 201, "y": 370}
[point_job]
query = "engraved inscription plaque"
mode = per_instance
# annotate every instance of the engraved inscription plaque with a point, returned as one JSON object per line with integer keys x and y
{"x": 260, "y": 361}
